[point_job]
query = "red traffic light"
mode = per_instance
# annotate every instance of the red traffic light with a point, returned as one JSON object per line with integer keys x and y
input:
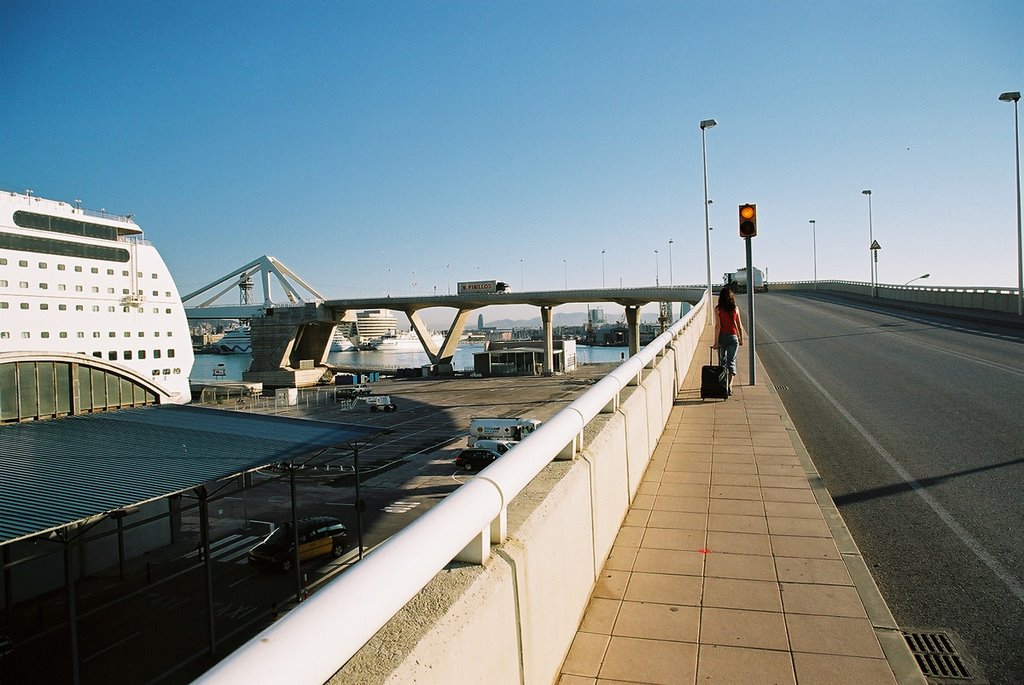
{"x": 748, "y": 221}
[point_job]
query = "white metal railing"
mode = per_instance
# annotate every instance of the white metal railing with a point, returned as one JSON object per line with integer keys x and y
{"x": 997, "y": 299}
{"x": 318, "y": 637}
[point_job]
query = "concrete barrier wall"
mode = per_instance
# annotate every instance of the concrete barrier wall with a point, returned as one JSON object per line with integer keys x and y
{"x": 514, "y": 619}
{"x": 982, "y": 298}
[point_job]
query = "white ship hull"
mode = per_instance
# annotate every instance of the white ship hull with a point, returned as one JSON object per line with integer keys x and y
{"x": 84, "y": 285}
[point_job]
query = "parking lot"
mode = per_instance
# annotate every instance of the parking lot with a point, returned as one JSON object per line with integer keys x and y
{"x": 154, "y": 625}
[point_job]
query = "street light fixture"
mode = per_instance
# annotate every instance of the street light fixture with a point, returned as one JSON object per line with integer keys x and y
{"x": 814, "y": 250}
{"x": 657, "y": 278}
{"x": 917, "y": 279}
{"x": 671, "y": 281}
{"x": 871, "y": 237}
{"x": 602, "y": 268}
{"x": 1014, "y": 97}
{"x": 704, "y": 126}
{"x": 565, "y": 272}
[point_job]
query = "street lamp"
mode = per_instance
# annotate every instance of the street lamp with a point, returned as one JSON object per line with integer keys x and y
{"x": 871, "y": 237}
{"x": 602, "y": 268}
{"x": 671, "y": 281}
{"x": 522, "y": 281}
{"x": 814, "y": 251}
{"x": 565, "y": 271}
{"x": 657, "y": 279}
{"x": 704, "y": 126}
{"x": 1014, "y": 97}
{"x": 917, "y": 279}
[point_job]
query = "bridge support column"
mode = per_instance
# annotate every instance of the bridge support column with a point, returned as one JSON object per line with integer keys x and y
{"x": 439, "y": 357}
{"x": 549, "y": 342}
{"x": 633, "y": 326}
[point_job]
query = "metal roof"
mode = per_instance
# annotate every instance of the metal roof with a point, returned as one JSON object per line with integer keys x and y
{"x": 54, "y": 473}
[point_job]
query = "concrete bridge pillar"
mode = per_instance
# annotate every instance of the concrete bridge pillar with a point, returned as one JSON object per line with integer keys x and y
{"x": 633, "y": 326}
{"x": 549, "y": 342}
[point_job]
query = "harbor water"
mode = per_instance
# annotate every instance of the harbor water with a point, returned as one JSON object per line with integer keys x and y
{"x": 210, "y": 366}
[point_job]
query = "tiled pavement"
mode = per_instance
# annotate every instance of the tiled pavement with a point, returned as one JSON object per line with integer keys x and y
{"x": 728, "y": 570}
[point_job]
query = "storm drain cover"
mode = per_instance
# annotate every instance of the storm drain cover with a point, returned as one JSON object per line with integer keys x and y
{"x": 782, "y": 387}
{"x": 943, "y": 659}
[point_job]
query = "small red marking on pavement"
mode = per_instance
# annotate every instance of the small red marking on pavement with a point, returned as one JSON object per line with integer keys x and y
{"x": 704, "y": 550}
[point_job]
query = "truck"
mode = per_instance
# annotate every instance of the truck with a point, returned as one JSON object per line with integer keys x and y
{"x": 482, "y": 287}
{"x": 500, "y": 428}
{"x": 380, "y": 403}
{"x": 737, "y": 280}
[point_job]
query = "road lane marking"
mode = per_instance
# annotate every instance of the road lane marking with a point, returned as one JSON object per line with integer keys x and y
{"x": 1012, "y": 583}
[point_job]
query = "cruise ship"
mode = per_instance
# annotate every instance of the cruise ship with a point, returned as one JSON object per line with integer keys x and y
{"x": 234, "y": 341}
{"x": 90, "y": 318}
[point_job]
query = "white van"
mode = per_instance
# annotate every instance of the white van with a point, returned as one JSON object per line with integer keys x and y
{"x": 499, "y": 446}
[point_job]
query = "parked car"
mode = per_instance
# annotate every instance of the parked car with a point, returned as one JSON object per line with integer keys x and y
{"x": 318, "y": 536}
{"x": 475, "y": 458}
{"x": 357, "y": 390}
{"x": 499, "y": 446}
{"x": 380, "y": 403}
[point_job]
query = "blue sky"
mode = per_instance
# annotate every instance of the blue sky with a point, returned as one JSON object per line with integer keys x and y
{"x": 370, "y": 146}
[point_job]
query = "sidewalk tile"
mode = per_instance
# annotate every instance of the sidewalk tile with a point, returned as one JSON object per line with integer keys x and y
{"x": 793, "y": 510}
{"x": 680, "y": 520}
{"x": 833, "y": 635}
{"x": 600, "y": 615}
{"x": 741, "y": 628}
{"x": 669, "y": 538}
{"x": 664, "y": 588}
{"x": 739, "y": 543}
{"x": 735, "y": 523}
{"x": 785, "y": 525}
{"x": 585, "y": 654}
{"x": 816, "y": 571}
{"x": 611, "y": 584}
{"x": 825, "y": 600}
{"x": 733, "y": 665}
{"x": 733, "y": 593}
{"x": 650, "y": 661}
{"x": 670, "y": 561}
{"x": 658, "y": 621}
{"x": 747, "y": 566}
{"x": 830, "y": 669}
{"x": 742, "y": 507}
{"x": 804, "y": 547}
{"x": 696, "y": 505}
{"x": 787, "y": 495}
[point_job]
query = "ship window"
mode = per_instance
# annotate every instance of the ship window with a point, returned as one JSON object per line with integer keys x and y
{"x": 22, "y": 262}
{"x": 62, "y": 307}
{"x": 156, "y": 310}
{"x": 95, "y": 334}
{"x": 42, "y": 265}
{"x": 44, "y": 334}
{"x": 95, "y": 289}
{"x": 157, "y": 334}
{"x": 110, "y": 291}
{"x": 170, "y": 352}
{"x": 167, "y": 294}
{"x": 4, "y": 335}
{"x": 3, "y": 261}
{"x": 63, "y": 334}
{"x": 110, "y": 272}
{"x": 127, "y": 334}
{"x": 79, "y": 334}
{"x": 156, "y": 354}
{"x": 78, "y": 269}
{"x": 112, "y": 355}
{"x": 23, "y": 284}
{"x": 95, "y": 307}
{"x": 142, "y": 354}
{"x": 98, "y": 355}
{"x": 62, "y": 248}
{"x": 127, "y": 355}
{"x": 24, "y": 305}
{"x": 170, "y": 334}
{"x": 156, "y": 372}
{"x": 59, "y": 224}
{"x": 3, "y": 305}
{"x": 79, "y": 308}
{"x": 155, "y": 276}
{"x": 140, "y": 274}
{"x": 43, "y": 286}
{"x": 61, "y": 267}
{"x": 26, "y": 334}
{"x": 142, "y": 334}
{"x": 3, "y": 283}
{"x": 111, "y": 334}
{"x": 123, "y": 292}
{"x": 156, "y": 293}
{"x": 61, "y": 287}
{"x": 78, "y": 288}
{"x": 44, "y": 306}
{"x": 167, "y": 372}
{"x": 114, "y": 309}
{"x": 94, "y": 270}
{"x": 167, "y": 311}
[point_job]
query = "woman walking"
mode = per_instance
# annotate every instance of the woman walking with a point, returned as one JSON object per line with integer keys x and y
{"x": 728, "y": 332}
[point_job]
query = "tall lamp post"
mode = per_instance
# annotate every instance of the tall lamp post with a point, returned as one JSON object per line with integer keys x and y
{"x": 602, "y": 268}
{"x": 656, "y": 269}
{"x": 871, "y": 237}
{"x": 1014, "y": 97}
{"x": 704, "y": 126}
{"x": 671, "y": 281}
{"x": 814, "y": 250}
{"x": 565, "y": 272}
{"x": 917, "y": 279}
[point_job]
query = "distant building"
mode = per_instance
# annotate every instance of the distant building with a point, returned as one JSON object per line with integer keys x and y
{"x": 523, "y": 358}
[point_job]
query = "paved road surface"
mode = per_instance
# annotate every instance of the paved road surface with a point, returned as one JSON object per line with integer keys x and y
{"x": 916, "y": 424}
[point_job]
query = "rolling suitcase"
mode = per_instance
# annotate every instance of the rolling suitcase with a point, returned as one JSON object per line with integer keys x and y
{"x": 714, "y": 381}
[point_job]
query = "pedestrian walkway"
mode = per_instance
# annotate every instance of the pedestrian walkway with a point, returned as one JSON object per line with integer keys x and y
{"x": 727, "y": 568}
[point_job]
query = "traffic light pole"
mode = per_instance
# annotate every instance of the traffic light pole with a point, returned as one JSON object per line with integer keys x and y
{"x": 750, "y": 310}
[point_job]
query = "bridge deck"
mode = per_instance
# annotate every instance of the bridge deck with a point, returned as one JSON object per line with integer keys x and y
{"x": 733, "y": 564}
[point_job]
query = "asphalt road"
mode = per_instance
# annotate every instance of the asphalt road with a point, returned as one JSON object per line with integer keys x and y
{"x": 916, "y": 424}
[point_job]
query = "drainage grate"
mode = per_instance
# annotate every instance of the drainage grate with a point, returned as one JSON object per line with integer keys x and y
{"x": 943, "y": 659}
{"x": 782, "y": 387}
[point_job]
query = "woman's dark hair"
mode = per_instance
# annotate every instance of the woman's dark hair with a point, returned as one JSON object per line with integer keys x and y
{"x": 726, "y": 300}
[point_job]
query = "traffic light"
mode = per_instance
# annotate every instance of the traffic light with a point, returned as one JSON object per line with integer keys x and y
{"x": 748, "y": 221}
